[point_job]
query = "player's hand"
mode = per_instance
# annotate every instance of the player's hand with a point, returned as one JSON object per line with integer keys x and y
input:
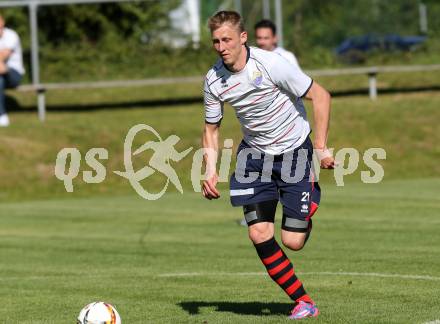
{"x": 209, "y": 189}
{"x": 326, "y": 159}
{"x": 328, "y": 163}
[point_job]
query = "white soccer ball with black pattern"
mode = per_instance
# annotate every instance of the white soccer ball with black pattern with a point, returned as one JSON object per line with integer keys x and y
{"x": 99, "y": 313}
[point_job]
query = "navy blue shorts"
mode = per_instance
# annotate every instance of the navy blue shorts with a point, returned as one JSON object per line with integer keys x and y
{"x": 287, "y": 178}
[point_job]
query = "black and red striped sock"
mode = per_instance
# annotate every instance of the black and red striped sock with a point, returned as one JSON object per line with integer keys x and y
{"x": 281, "y": 270}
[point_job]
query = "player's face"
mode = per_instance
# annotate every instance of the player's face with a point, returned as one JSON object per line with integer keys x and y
{"x": 265, "y": 39}
{"x": 228, "y": 43}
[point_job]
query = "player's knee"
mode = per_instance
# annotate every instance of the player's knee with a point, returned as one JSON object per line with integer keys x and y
{"x": 259, "y": 233}
{"x": 294, "y": 243}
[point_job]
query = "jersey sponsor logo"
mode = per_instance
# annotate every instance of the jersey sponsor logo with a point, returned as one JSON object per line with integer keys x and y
{"x": 304, "y": 208}
{"x": 257, "y": 78}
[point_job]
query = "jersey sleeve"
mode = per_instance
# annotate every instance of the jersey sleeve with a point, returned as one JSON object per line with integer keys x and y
{"x": 213, "y": 106}
{"x": 292, "y": 59}
{"x": 290, "y": 78}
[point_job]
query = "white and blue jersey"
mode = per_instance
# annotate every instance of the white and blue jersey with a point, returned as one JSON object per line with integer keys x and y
{"x": 266, "y": 97}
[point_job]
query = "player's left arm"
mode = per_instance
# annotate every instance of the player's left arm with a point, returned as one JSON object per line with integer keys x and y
{"x": 321, "y": 102}
{"x": 294, "y": 81}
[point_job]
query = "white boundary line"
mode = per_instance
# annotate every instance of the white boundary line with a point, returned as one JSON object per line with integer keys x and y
{"x": 326, "y": 273}
{"x": 251, "y": 274}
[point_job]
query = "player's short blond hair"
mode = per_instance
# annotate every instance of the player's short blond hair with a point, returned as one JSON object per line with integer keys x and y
{"x": 226, "y": 17}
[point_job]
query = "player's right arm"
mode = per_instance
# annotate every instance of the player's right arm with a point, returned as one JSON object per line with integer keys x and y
{"x": 210, "y": 145}
{"x": 213, "y": 117}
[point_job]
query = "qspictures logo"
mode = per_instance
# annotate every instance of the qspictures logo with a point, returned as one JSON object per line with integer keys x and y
{"x": 163, "y": 153}
{"x": 164, "y": 157}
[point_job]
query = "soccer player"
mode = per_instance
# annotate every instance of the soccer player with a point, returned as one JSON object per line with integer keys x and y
{"x": 266, "y": 38}
{"x": 265, "y": 92}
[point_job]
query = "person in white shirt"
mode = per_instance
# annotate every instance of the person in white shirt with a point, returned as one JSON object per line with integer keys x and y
{"x": 265, "y": 92}
{"x": 266, "y": 38}
{"x": 11, "y": 66}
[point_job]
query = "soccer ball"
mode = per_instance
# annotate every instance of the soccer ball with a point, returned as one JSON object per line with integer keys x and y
{"x": 99, "y": 313}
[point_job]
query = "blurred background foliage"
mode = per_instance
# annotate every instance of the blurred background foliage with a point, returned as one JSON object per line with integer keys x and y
{"x": 124, "y": 40}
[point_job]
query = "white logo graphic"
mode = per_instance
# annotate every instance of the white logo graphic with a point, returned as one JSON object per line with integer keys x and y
{"x": 305, "y": 196}
{"x": 164, "y": 151}
{"x": 69, "y": 162}
{"x": 304, "y": 208}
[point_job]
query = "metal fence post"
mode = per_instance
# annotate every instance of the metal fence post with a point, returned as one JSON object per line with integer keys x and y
{"x": 423, "y": 18}
{"x": 266, "y": 9}
{"x": 33, "y": 19}
{"x": 41, "y": 98}
{"x": 237, "y": 6}
{"x": 279, "y": 22}
{"x": 372, "y": 85}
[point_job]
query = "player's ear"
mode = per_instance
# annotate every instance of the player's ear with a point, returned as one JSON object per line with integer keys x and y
{"x": 243, "y": 37}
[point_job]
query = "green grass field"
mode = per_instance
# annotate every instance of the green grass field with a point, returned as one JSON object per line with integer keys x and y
{"x": 374, "y": 255}
{"x": 404, "y": 125}
{"x": 182, "y": 259}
